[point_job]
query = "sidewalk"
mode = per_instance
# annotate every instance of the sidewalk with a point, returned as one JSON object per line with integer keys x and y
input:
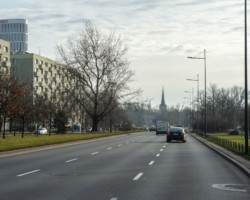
{"x": 237, "y": 160}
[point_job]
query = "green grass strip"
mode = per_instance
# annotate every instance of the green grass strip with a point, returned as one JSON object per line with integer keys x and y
{"x": 17, "y": 142}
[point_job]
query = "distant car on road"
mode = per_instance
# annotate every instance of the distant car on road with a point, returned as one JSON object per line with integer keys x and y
{"x": 41, "y": 131}
{"x": 152, "y": 128}
{"x": 162, "y": 127}
{"x": 176, "y": 133}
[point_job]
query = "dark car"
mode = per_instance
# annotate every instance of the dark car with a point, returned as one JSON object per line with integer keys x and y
{"x": 152, "y": 128}
{"x": 176, "y": 133}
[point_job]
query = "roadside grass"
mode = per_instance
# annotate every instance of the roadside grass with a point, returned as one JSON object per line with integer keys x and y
{"x": 234, "y": 143}
{"x": 16, "y": 142}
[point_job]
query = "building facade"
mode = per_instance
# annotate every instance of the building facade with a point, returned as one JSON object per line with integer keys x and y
{"x": 4, "y": 57}
{"x": 15, "y": 31}
{"x": 48, "y": 79}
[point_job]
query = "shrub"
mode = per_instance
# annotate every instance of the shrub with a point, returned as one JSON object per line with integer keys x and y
{"x": 233, "y": 132}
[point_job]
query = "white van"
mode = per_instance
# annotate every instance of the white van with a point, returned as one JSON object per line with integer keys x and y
{"x": 162, "y": 127}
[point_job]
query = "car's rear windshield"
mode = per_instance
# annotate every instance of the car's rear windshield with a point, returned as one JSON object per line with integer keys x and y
{"x": 176, "y": 130}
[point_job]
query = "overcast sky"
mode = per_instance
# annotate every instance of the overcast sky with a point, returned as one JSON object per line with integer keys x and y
{"x": 160, "y": 34}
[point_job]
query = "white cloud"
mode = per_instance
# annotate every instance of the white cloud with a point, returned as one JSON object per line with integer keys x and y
{"x": 160, "y": 35}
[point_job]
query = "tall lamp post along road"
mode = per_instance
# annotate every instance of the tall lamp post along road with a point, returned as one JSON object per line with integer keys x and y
{"x": 191, "y": 105}
{"x": 246, "y": 88}
{"x": 197, "y": 100}
{"x": 205, "y": 75}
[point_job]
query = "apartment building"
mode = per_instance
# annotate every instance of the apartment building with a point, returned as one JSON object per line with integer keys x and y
{"x": 4, "y": 56}
{"x": 15, "y": 31}
{"x": 49, "y": 79}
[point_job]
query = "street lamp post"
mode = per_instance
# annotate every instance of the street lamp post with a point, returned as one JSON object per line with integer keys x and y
{"x": 246, "y": 88}
{"x": 191, "y": 106}
{"x": 190, "y": 119}
{"x": 205, "y": 83}
{"x": 197, "y": 100}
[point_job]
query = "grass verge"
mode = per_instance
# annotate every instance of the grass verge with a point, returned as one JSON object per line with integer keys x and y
{"x": 16, "y": 142}
{"x": 233, "y": 143}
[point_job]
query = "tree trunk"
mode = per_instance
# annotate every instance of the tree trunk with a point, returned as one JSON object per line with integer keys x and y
{"x": 4, "y": 120}
{"x": 22, "y": 126}
{"x": 95, "y": 123}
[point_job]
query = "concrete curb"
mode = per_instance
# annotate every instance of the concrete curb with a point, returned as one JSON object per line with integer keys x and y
{"x": 240, "y": 162}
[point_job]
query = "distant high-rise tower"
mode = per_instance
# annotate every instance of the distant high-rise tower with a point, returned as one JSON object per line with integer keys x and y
{"x": 15, "y": 31}
{"x": 163, "y": 106}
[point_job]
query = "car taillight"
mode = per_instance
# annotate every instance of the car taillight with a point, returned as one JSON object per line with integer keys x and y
{"x": 168, "y": 133}
{"x": 182, "y": 133}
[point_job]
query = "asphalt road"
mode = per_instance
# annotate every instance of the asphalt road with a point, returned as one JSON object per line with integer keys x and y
{"x": 139, "y": 166}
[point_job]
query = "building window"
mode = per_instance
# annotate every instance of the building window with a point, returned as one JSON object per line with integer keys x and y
{"x": 5, "y": 49}
{"x": 36, "y": 61}
{"x": 41, "y": 62}
{"x": 14, "y": 61}
{"x": 5, "y": 59}
{"x": 14, "y": 69}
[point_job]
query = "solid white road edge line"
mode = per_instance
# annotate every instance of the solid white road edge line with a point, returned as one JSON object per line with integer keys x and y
{"x": 138, "y": 176}
{"x": 94, "y": 153}
{"x": 31, "y": 172}
{"x": 151, "y": 163}
{"x": 74, "y": 159}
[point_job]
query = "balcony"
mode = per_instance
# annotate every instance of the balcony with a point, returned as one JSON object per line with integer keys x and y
{"x": 40, "y": 66}
{"x": 38, "y": 73}
{"x": 6, "y": 63}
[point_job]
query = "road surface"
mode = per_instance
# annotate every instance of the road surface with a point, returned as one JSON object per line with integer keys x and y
{"x": 138, "y": 166}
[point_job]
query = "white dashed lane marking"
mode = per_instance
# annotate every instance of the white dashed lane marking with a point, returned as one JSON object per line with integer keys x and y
{"x": 94, "y": 153}
{"x": 151, "y": 163}
{"x": 74, "y": 159}
{"x": 27, "y": 173}
{"x": 138, "y": 176}
{"x": 158, "y": 155}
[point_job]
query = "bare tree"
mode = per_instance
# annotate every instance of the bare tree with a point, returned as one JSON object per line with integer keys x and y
{"x": 98, "y": 64}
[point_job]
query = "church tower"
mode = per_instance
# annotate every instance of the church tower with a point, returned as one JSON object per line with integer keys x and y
{"x": 163, "y": 106}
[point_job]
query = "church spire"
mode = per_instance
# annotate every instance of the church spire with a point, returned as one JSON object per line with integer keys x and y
{"x": 162, "y": 98}
{"x": 163, "y": 106}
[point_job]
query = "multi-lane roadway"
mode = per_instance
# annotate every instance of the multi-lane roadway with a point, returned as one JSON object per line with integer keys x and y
{"x": 138, "y": 166}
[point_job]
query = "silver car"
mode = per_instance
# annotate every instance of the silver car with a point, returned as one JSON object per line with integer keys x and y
{"x": 41, "y": 131}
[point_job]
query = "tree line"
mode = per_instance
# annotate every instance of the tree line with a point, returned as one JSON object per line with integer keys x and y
{"x": 96, "y": 65}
